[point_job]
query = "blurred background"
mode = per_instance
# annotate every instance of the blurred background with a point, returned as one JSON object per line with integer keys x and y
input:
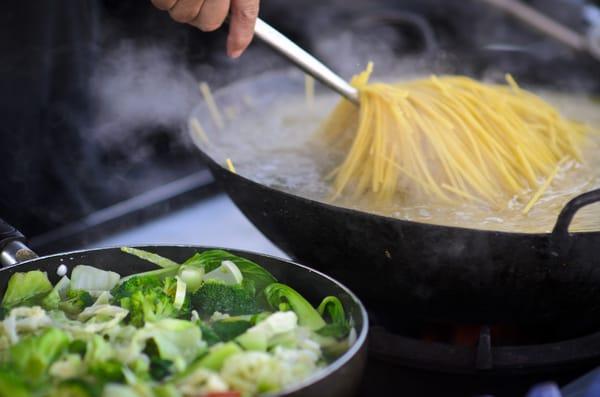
{"x": 96, "y": 94}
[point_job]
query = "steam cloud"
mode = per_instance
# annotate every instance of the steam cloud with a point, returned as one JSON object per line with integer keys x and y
{"x": 137, "y": 87}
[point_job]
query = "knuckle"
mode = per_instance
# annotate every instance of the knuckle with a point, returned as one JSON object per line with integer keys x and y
{"x": 209, "y": 26}
{"x": 248, "y": 13}
{"x": 182, "y": 16}
{"x": 163, "y": 4}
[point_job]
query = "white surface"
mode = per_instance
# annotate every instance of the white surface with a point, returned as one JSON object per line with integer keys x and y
{"x": 215, "y": 221}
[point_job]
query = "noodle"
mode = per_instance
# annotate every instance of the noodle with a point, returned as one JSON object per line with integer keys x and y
{"x": 230, "y": 166}
{"x": 309, "y": 90}
{"x": 448, "y": 139}
{"x": 212, "y": 105}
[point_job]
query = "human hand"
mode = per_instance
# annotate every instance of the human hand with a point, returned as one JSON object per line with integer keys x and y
{"x": 209, "y": 15}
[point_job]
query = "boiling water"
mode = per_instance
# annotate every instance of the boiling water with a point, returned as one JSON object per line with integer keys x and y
{"x": 272, "y": 141}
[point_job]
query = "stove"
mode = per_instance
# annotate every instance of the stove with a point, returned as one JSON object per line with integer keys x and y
{"x": 406, "y": 357}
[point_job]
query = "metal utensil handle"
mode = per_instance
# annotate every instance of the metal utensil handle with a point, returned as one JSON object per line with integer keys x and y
{"x": 542, "y": 23}
{"x": 12, "y": 246}
{"x": 304, "y": 60}
{"x": 560, "y": 233}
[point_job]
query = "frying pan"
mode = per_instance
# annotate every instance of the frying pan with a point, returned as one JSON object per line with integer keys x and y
{"x": 410, "y": 270}
{"x": 340, "y": 378}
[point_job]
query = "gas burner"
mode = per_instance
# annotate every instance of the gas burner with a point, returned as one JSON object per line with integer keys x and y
{"x": 474, "y": 360}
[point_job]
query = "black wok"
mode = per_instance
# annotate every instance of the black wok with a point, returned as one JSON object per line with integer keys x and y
{"x": 404, "y": 269}
{"x": 340, "y": 378}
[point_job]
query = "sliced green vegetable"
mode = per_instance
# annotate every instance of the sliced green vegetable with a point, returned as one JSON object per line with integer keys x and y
{"x": 179, "y": 293}
{"x": 331, "y": 307}
{"x": 228, "y": 273}
{"x": 12, "y": 384}
{"x": 150, "y": 257}
{"x": 192, "y": 276}
{"x": 179, "y": 341}
{"x": 307, "y": 315}
{"x": 33, "y": 355}
{"x": 211, "y": 259}
{"x": 26, "y": 289}
{"x": 217, "y": 355}
{"x": 93, "y": 280}
{"x": 73, "y": 388}
{"x": 51, "y": 301}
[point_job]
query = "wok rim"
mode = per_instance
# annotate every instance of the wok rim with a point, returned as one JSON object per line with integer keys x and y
{"x": 383, "y": 218}
{"x": 346, "y": 210}
{"x": 355, "y": 350}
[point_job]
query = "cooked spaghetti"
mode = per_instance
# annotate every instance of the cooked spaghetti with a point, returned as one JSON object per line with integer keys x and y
{"x": 449, "y": 139}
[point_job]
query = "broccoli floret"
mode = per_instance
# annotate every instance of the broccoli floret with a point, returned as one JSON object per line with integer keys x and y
{"x": 76, "y": 301}
{"x": 215, "y": 296}
{"x": 149, "y": 299}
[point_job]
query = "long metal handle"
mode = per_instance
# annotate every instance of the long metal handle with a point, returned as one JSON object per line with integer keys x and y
{"x": 304, "y": 60}
{"x": 548, "y": 26}
{"x": 12, "y": 246}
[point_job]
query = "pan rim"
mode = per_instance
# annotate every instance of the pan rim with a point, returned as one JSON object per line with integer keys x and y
{"x": 354, "y": 350}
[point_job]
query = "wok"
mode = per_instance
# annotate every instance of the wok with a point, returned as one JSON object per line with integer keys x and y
{"x": 405, "y": 269}
{"x": 340, "y": 378}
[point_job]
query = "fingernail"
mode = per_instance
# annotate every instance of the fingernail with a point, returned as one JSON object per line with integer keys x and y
{"x": 235, "y": 53}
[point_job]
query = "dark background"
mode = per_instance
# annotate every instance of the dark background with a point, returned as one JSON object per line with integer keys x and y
{"x": 55, "y": 169}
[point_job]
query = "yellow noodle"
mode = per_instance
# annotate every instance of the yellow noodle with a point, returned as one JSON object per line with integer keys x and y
{"x": 309, "y": 89}
{"x": 448, "y": 138}
{"x": 212, "y": 105}
{"x": 230, "y": 166}
{"x": 543, "y": 188}
{"x": 198, "y": 130}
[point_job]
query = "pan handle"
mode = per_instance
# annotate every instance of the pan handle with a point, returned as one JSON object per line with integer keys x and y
{"x": 560, "y": 233}
{"x": 12, "y": 246}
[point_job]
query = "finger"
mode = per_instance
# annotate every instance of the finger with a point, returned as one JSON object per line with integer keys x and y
{"x": 243, "y": 18}
{"x": 164, "y": 4}
{"x": 212, "y": 15}
{"x": 185, "y": 11}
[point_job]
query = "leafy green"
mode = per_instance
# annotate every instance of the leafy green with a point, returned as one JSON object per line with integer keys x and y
{"x": 339, "y": 326}
{"x": 12, "y": 384}
{"x": 212, "y": 259}
{"x": 51, "y": 301}
{"x": 277, "y": 294}
{"x": 150, "y": 257}
{"x": 208, "y": 334}
{"x": 26, "y": 289}
{"x": 218, "y": 297}
{"x": 217, "y": 355}
{"x": 33, "y": 355}
{"x": 73, "y": 388}
{"x": 93, "y": 280}
{"x": 179, "y": 341}
{"x": 160, "y": 368}
{"x": 230, "y": 328}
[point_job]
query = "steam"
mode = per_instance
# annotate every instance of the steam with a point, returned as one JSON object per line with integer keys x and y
{"x": 138, "y": 87}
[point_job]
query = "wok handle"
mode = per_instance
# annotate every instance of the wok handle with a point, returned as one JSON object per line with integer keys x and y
{"x": 560, "y": 233}
{"x": 12, "y": 246}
